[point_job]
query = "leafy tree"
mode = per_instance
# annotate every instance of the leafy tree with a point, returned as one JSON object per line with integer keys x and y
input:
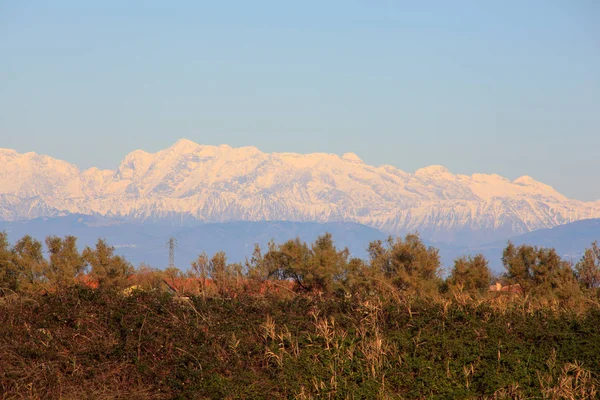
{"x": 272, "y": 262}
{"x": 108, "y": 269}
{"x": 320, "y": 267}
{"x": 29, "y": 259}
{"x": 217, "y": 268}
{"x": 380, "y": 256}
{"x": 328, "y": 264}
{"x": 256, "y": 267}
{"x": 9, "y": 275}
{"x": 588, "y": 268}
{"x": 540, "y": 271}
{"x": 222, "y": 273}
{"x": 200, "y": 271}
{"x": 66, "y": 263}
{"x": 290, "y": 260}
{"x": 146, "y": 277}
{"x": 408, "y": 263}
{"x": 362, "y": 279}
{"x": 517, "y": 262}
{"x": 471, "y": 274}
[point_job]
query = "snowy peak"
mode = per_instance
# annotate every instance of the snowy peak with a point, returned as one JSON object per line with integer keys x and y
{"x": 532, "y": 184}
{"x": 220, "y": 183}
{"x": 351, "y": 157}
{"x": 32, "y": 175}
{"x": 184, "y": 145}
{"x": 526, "y": 180}
{"x": 434, "y": 171}
{"x": 8, "y": 152}
{"x": 134, "y": 165}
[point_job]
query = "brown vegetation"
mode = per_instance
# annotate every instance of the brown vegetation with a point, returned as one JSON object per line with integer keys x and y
{"x": 299, "y": 321}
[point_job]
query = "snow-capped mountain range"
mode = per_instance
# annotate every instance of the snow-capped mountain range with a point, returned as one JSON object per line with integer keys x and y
{"x": 188, "y": 182}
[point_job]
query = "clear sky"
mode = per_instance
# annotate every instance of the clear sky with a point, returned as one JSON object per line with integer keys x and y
{"x": 507, "y": 87}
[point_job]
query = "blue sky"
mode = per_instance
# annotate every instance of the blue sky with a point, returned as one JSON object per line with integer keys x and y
{"x": 507, "y": 87}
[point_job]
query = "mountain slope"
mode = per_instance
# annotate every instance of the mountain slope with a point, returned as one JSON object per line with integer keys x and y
{"x": 190, "y": 183}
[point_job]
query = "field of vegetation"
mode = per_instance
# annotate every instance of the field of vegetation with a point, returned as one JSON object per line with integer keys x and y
{"x": 300, "y": 321}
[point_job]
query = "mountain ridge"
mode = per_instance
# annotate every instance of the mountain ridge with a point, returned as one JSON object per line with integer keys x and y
{"x": 189, "y": 181}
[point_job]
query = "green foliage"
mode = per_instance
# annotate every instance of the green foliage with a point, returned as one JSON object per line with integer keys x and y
{"x": 29, "y": 259}
{"x": 408, "y": 263}
{"x": 540, "y": 271}
{"x": 471, "y": 274}
{"x": 9, "y": 275}
{"x": 293, "y": 261}
{"x": 217, "y": 268}
{"x": 318, "y": 268}
{"x": 65, "y": 262}
{"x": 108, "y": 269}
{"x": 588, "y": 268}
{"x": 256, "y": 269}
{"x": 147, "y": 278}
{"x": 328, "y": 264}
{"x": 362, "y": 279}
{"x": 200, "y": 267}
{"x": 221, "y": 273}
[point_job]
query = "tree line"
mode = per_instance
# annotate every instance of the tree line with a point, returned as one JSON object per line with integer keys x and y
{"x": 403, "y": 265}
{"x": 24, "y": 267}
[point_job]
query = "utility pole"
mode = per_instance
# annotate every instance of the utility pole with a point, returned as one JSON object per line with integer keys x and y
{"x": 171, "y": 244}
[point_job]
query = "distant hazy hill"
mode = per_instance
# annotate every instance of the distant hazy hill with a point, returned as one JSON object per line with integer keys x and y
{"x": 569, "y": 240}
{"x": 146, "y": 242}
{"x": 189, "y": 184}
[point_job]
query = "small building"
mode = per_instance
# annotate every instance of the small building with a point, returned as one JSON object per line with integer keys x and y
{"x": 498, "y": 287}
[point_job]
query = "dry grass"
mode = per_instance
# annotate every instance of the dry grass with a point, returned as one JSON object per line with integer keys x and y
{"x": 94, "y": 345}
